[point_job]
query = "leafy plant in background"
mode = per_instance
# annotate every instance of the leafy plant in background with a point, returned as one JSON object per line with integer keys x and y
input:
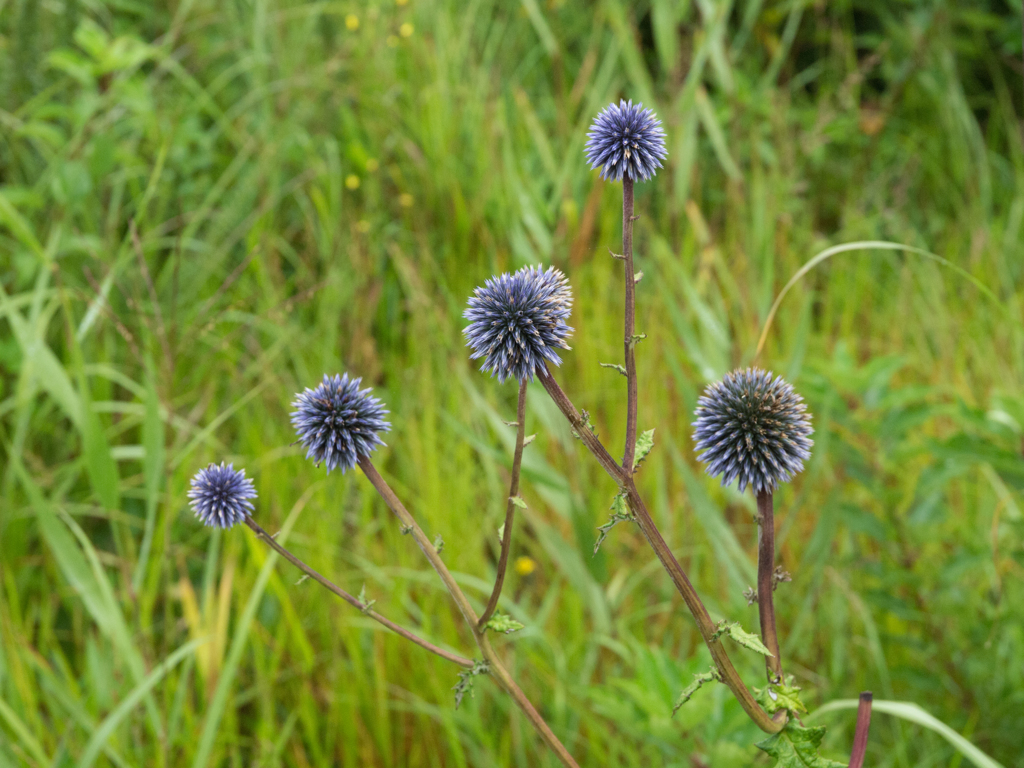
{"x": 242, "y": 149}
{"x": 750, "y": 427}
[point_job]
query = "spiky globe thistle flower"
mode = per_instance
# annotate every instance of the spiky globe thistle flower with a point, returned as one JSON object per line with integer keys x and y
{"x": 517, "y": 321}
{"x": 220, "y": 496}
{"x": 753, "y": 428}
{"x": 628, "y": 140}
{"x": 338, "y": 423}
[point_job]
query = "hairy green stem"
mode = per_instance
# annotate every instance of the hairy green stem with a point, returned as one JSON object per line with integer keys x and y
{"x": 705, "y": 625}
{"x": 270, "y": 541}
{"x": 766, "y": 583}
{"x": 498, "y": 669}
{"x": 510, "y": 509}
{"x": 630, "y": 325}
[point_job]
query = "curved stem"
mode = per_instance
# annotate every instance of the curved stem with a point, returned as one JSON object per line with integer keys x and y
{"x": 766, "y": 583}
{"x": 269, "y": 540}
{"x": 510, "y": 509}
{"x": 668, "y": 561}
{"x": 705, "y": 625}
{"x": 501, "y": 674}
{"x": 630, "y": 324}
{"x": 860, "y": 735}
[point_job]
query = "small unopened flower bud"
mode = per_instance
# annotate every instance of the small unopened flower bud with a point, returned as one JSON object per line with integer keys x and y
{"x": 220, "y": 496}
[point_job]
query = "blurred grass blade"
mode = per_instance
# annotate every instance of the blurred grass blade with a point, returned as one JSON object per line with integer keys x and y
{"x": 911, "y": 712}
{"x": 23, "y": 733}
{"x": 710, "y": 122}
{"x": 536, "y": 17}
{"x": 99, "y": 738}
{"x": 99, "y": 463}
{"x": 153, "y": 470}
{"x": 240, "y": 636}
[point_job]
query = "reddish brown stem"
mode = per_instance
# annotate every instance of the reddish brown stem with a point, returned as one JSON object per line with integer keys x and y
{"x": 860, "y": 736}
{"x": 510, "y": 509}
{"x": 269, "y": 540}
{"x": 668, "y": 560}
{"x": 766, "y": 583}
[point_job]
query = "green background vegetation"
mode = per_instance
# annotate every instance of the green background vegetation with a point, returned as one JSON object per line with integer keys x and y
{"x": 204, "y": 206}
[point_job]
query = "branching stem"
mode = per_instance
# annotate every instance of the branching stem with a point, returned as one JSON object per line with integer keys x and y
{"x": 766, "y": 583}
{"x": 497, "y": 669}
{"x": 510, "y": 509}
{"x": 269, "y": 540}
{"x": 668, "y": 560}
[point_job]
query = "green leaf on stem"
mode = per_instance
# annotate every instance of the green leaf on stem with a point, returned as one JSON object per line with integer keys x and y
{"x": 644, "y": 445}
{"x": 785, "y": 695}
{"x": 616, "y": 366}
{"x": 517, "y": 501}
{"x": 438, "y": 544}
{"x": 698, "y": 680}
{"x": 746, "y": 639}
{"x": 510, "y": 423}
{"x": 587, "y": 423}
{"x": 620, "y": 513}
{"x": 528, "y": 439}
{"x": 367, "y": 604}
{"x": 638, "y": 277}
{"x": 465, "y": 684}
{"x": 636, "y": 338}
{"x": 796, "y": 747}
{"x": 505, "y": 624}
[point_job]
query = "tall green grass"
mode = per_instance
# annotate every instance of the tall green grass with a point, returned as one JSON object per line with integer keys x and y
{"x": 205, "y": 206}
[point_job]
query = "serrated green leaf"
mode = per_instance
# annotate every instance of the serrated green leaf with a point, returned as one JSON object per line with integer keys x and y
{"x": 775, "y": 698}
{"x": 698, "y": 680}
{"x": 620, "y": 513}
{"x": 505, "y": 624}
{"x": 644, "y": 445}
{"x": 518, "y": 501}
{"x": 465, "y": 684}
{"x": 615, "y": 366}
{"x": 747, "y": 639}
{"x": 737, "y": 633}
{"x": 796, "y": 747}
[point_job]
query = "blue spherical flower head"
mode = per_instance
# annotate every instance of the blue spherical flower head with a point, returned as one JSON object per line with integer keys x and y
{"x": 626, "y": 140}
{"x": 517, "y": 321}
{"x": 220, "y": 495}
{"x": 753, "y": 428}
{"x": 338, "y": 423}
